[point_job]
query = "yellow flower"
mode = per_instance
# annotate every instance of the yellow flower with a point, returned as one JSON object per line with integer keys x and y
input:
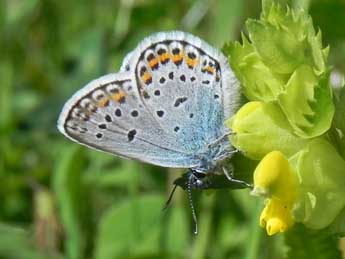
{"x": 276, "y": 216}
{"x": 276, "y": 180}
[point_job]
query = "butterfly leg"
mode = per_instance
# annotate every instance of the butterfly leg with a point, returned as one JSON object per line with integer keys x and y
{"x": 226, "y": 154}
{"x": 221, "y": 138}
{"x": 229, "y": 175}
{"x": 167, "y": 203}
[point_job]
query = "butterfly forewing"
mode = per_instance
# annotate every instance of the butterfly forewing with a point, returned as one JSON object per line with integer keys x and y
{"x": 108, "y": 115}
{"x": 165, "y": 107}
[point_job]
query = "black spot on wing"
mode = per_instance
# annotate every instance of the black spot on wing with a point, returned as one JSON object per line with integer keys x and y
{"x": 179, "y": 101}
{"x": 131, "y": 134}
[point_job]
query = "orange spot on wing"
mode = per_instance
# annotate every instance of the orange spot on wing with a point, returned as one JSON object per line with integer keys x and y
{"x": 153, "y": 62}
{"x": 209, "y": 69}
{"x": 146, "y": 76}
{"x": 191, "y": 62}
{"x": 118, "y": 96}
{"x": 164, "y": 57}
{"x": 176, "y": 58}
{"x": 103, "y": 102}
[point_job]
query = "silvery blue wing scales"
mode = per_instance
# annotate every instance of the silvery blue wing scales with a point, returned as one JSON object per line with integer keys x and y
{"x": 166, "y": 106}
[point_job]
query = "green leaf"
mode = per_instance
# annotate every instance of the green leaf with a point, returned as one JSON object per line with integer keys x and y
{"x": 130, "y": 229}
{"x": 18, "y": 243}
{"x": 177, "y": 232}
{"x": 307, "y": 103}
{"x": 304, "y": 243}
{"x": 226, "y": 12}
{"x": 16, "y": 11}
{"x": 71, "y": 194}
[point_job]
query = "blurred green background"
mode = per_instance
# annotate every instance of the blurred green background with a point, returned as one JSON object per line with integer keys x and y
{"x": 61, "y": 200}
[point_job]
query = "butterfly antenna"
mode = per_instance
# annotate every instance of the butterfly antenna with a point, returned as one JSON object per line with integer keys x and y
{"x": 190, "y": 198}
{"x": 167, "y": 203}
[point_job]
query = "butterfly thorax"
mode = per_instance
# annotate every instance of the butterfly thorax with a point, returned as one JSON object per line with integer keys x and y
{"x": 213, "y": 155}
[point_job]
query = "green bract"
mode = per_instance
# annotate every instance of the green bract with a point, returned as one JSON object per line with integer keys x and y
{"x": 284, "y": 62}
{"x": 321, "y": 173}
{"x": 261, "y": 128}
{"x": 259, "y": 83}
{"x": 307, "y": 102}
{"x": 287, "y": 122}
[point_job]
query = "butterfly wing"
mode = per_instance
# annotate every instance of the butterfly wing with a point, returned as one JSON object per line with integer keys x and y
{"x": 167, "y": 103}
{"x": 186, "y": 85}
{"x": 108, "y": 115}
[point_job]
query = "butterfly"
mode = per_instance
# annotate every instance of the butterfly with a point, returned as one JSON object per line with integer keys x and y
{"x": 166, "y": 106}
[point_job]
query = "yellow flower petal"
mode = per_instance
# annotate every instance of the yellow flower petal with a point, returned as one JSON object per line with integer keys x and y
{"x": 275, "y": 179}
{"x": 276, "y": 216}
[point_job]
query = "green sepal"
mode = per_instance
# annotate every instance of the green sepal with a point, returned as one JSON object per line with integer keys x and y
{"x": 321, "y": 172}
{"x": 307, "y": 103}
{"x": 260, "y": 128}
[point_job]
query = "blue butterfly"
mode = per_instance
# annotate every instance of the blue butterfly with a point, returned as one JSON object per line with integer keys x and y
{"x": 166, "y": 106}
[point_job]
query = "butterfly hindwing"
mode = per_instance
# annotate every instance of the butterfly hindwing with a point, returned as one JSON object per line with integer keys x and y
{"x": 108, "y": 115}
